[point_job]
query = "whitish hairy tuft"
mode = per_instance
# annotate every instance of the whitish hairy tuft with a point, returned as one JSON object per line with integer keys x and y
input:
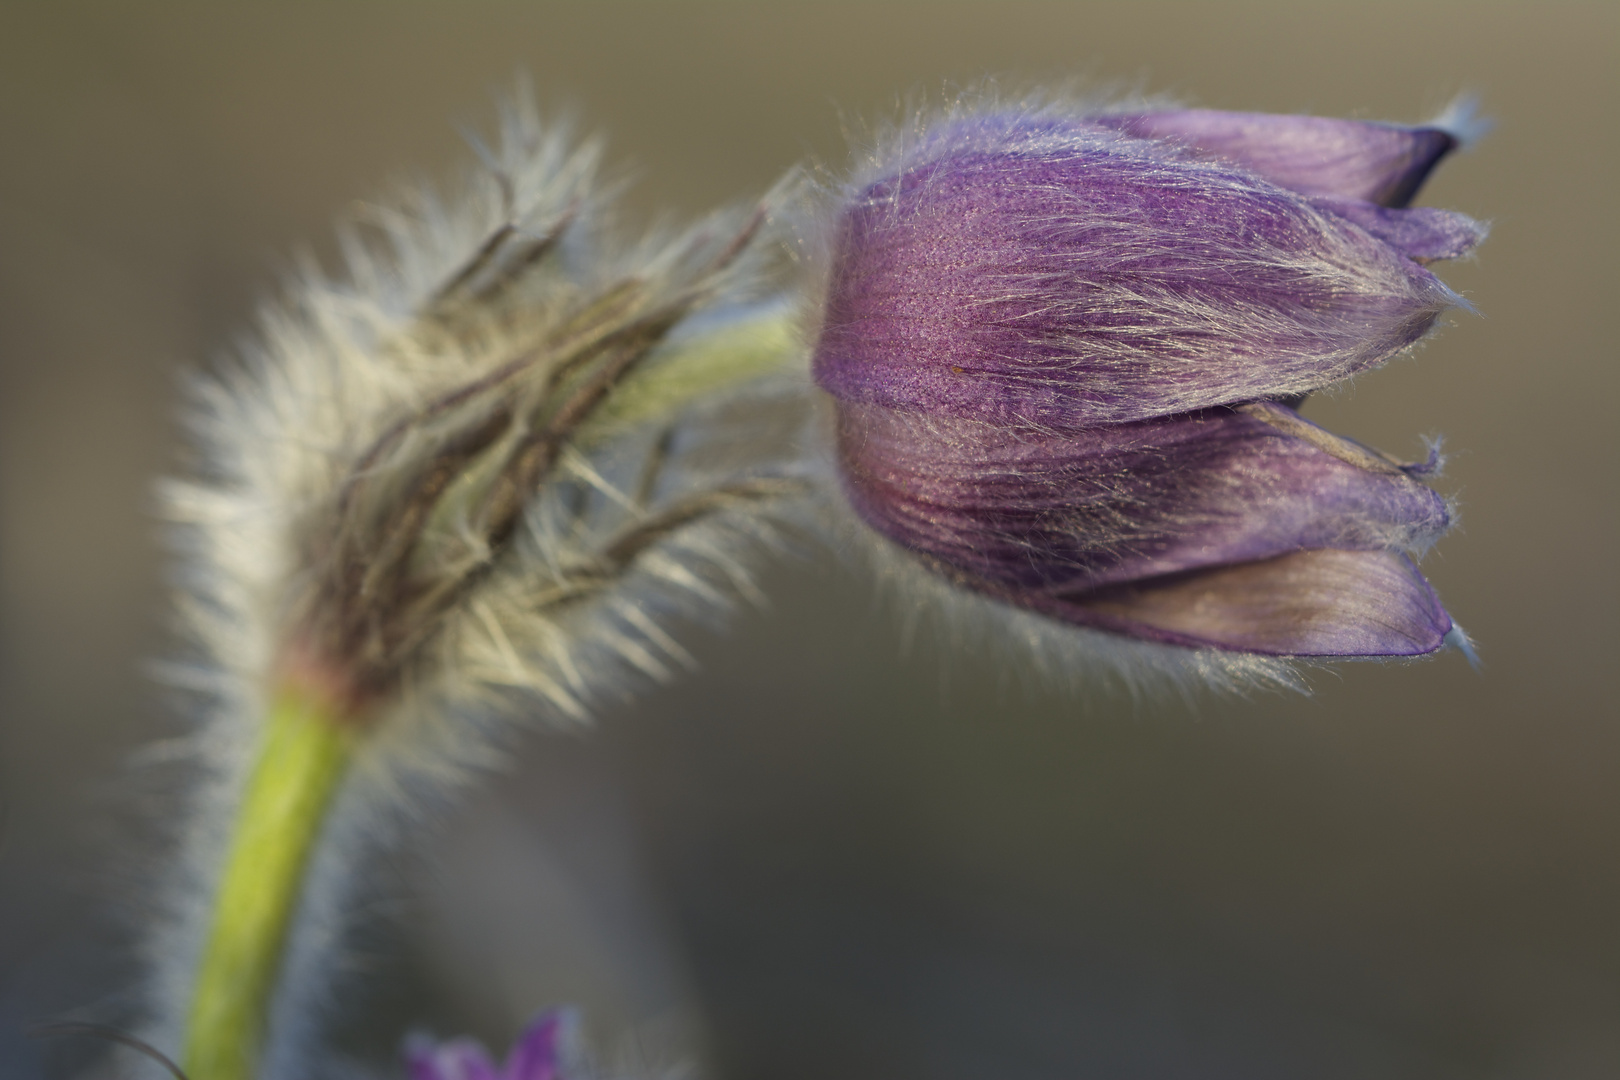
{"x": 435, "y": 475}
{"x": 481, "y": 473}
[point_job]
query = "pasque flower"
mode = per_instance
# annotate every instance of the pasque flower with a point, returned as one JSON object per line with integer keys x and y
{"x": 1065, "y": 349}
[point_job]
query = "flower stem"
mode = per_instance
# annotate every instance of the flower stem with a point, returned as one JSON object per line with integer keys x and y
{"x": 742, "y": 348}
{"x": 302, "y": 758}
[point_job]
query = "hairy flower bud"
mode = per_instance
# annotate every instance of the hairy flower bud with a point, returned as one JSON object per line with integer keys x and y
{"x": 1060, "y": 348}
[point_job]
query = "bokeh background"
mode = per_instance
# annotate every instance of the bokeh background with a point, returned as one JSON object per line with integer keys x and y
{"x": 824, "y": 855}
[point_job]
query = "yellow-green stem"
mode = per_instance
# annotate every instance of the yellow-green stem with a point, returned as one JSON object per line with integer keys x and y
{"x": 302, "y": 758}
{"x": 680, "y": 372}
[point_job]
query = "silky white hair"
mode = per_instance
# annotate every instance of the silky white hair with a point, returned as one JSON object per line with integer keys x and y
{"x": 459, "y": 314}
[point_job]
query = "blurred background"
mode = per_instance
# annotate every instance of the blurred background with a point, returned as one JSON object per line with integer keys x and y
{"x": 824, "y": 855}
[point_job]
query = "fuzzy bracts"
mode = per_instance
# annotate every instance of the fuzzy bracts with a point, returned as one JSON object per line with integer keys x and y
{"x": 473, "y": 479}
{"x": 441, "y": 475}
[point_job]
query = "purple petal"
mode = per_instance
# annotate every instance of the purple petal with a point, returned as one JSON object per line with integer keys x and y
{"x": 1421, "y": 233}
{"x": 457, "y": 1059}
{"x": 538, "y": 1053}
{"x": 1382, "y": 164}
{"x": 1309, "y": 603}
{"x": 1061, "y": 275}
{"x": 1033, "y": 513}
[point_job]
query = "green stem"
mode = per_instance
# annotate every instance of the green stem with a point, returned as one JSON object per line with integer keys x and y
{"x": 302, "y": 758}
{"x": 681, "y": 372}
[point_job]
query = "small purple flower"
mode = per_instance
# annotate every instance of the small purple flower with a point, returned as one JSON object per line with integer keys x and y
{"x": 1062, "y": 350}
{"x": 538, "y": 1054}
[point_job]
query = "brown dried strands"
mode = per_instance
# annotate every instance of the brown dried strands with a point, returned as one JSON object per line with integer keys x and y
{"x": 424, "y": 469}
{"x": 432, "y": 505}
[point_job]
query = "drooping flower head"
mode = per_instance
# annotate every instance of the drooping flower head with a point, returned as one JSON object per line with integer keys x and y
{"x": 1064, "y": 350}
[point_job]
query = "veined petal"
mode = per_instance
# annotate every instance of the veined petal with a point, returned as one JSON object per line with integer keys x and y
{"x": 1308, "y": 603}
{"x": 1383, "y": 164}
{"x": 1060, "y": 512}
{"x": 1421, "y": 232}
{"x": 1063, "y": 275}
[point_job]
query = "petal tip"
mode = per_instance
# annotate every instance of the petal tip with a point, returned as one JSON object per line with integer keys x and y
{"x": 1457, "y": 638}
{"x": 1461, "y": 119}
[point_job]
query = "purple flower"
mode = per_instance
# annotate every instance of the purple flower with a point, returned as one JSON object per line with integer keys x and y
{"x": 1062, "y": 350}
{"x": 537, "y": 1055}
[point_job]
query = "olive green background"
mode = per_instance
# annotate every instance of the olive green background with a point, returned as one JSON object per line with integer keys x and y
{"x": 823, "y": 855}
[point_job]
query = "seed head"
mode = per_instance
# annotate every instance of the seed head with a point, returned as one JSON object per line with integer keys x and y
{"x": 481, "y": 475}
{"x": 443, "y": 473}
